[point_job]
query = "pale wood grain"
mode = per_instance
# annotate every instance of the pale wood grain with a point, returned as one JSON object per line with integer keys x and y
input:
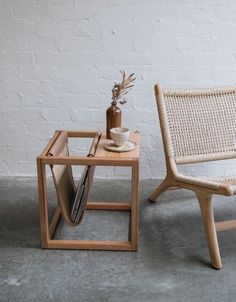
{"x": 102, "y": 152}
{"x": 101, "y": 158}
{"x": 204, "y": 189}
{"x": 225, "y": 225}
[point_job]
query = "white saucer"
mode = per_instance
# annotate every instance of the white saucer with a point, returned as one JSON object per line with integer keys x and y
{"x": 128, "y": 146}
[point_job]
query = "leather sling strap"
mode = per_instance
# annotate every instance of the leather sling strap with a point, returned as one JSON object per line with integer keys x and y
{"x": 63, "y": 178}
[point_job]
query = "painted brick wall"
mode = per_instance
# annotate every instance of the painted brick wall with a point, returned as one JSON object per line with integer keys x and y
{"x": 59, "y": 58}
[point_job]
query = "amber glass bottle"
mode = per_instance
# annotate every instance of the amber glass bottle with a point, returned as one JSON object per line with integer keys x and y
{"x": 113, "y": 118}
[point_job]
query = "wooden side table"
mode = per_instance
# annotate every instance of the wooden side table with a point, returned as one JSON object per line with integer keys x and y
{"x": 102, "y": 158}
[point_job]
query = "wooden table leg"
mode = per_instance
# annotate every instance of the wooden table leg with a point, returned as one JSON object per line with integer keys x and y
{"x": 135, "y": 206}
{"x": 43, "y": 206}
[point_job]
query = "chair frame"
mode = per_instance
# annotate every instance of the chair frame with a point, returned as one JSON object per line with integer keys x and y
{"x": 48, "y": 228}
{"x": 204, "y": 189}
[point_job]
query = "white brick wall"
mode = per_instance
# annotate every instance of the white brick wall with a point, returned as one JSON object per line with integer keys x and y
{"x": 59, "y": 58}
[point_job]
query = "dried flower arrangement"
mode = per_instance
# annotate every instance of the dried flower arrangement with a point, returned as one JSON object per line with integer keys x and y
{"x": 120, "y": 89}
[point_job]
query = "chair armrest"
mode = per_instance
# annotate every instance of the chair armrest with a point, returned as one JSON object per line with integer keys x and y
{"x": 208, "y": 184}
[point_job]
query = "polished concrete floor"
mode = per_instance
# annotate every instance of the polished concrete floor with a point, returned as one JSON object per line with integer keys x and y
{"x": 172, "y": 263}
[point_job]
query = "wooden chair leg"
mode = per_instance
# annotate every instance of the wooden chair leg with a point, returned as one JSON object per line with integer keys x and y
{"x": 205, "y": 203}
{"x": 160, "y": 189}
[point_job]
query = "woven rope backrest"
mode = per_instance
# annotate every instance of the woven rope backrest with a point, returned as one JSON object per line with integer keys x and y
{"x": 201, "y": 125}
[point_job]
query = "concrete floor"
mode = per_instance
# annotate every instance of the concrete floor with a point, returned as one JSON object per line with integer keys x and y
{"x": 172, "y": 263}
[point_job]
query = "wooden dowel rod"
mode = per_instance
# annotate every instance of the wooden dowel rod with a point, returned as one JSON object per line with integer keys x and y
{"x": 225, "y": 225}
{"x": 111, "y": 206}
{"x": 50, "y": 143}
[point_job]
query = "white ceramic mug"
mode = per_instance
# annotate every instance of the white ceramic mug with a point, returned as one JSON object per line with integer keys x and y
{"x": 120, "y": 135}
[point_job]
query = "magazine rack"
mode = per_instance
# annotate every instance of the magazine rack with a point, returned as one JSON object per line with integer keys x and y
{"x": 102, "y": 158}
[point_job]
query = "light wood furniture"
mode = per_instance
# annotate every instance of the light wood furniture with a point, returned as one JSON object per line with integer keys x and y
{"x": 101, "y": 158}
{"x": 199, "y": 126}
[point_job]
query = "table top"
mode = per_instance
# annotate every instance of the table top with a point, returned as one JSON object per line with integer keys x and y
{"x": 102, "y": 152}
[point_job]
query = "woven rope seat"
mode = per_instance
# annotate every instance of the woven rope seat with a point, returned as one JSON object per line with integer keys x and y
{"x": 230, "y": 182}
{"x": 199, "y": 126}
